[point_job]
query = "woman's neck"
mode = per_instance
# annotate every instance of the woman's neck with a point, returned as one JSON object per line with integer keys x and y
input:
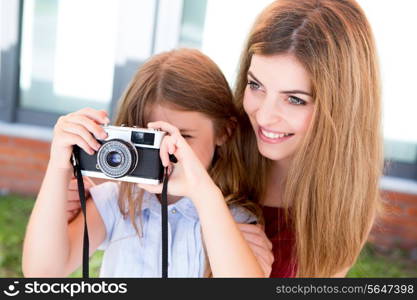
{"x": 275, "y": 183}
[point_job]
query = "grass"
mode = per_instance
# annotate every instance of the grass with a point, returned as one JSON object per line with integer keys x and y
{"x": 14, "y": 215}
{"x": 371, "y": 263}
{"x": 15, "y": 212}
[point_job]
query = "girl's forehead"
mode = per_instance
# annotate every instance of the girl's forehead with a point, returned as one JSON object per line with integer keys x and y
{"x": 182, "y": 119}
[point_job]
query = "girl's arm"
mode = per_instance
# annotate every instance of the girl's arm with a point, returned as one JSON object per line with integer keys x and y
{"x": 52, "y": 247}
{"x": 46, "y": 245}
{"x": 228, "y": 252}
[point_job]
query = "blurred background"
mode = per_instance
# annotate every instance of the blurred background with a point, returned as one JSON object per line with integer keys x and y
{"x": 57, "y": 56}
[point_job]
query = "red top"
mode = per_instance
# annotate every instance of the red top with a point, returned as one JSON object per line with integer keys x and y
{"x": 283, "y": 240}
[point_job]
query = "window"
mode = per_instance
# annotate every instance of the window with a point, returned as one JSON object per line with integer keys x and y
{"x": 192, "y": 23}
{"x": 67, "y": 54}
{"x": 62, "y": 55}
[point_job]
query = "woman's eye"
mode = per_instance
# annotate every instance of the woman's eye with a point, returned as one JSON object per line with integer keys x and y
{"x": 186, "y": 136}
{"x": 253, "y": 85}
{"x": 296, "y": 100}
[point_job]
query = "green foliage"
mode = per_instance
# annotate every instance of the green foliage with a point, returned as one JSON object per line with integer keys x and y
{"x": 95, "y": 263}
{"x": 373, "y": 264}
{"x": 14, "y": 215}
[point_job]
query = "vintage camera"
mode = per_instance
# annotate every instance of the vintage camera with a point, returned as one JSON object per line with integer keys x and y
{"x": 127, "y": 154}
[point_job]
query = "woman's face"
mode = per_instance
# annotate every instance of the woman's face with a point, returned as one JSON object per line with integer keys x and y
{"x": 279, "y": 104}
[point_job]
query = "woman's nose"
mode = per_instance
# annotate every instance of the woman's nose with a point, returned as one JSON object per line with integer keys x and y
{"x": 268, "y": 113}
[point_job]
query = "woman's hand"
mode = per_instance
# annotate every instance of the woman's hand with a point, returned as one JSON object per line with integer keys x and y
{"x": 73, "y": 203}
{"x": 79, "y": 128}
{"x": 188, "y": 176}
{"x": 260, "y": 244}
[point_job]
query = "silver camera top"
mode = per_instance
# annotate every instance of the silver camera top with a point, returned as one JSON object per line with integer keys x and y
{"x": 141, "y": 137}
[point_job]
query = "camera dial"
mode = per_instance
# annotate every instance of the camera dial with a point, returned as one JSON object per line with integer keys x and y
{"x": 117, "y": 158}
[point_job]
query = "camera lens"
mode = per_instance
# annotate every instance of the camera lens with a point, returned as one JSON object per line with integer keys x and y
{"x": 117, "y": 158}
{"x": 114, "y": 159}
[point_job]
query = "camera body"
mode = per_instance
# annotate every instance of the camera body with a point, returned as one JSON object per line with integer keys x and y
{"x": 127, "y": 154}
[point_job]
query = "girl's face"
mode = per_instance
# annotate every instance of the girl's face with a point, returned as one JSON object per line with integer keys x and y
{"x": 195, "y": 127}
{"x": 279, "y": 104}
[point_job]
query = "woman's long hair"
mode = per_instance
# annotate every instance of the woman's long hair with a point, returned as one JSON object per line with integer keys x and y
{"x": 333, "y": 181}
{"x": 186, "y": 80}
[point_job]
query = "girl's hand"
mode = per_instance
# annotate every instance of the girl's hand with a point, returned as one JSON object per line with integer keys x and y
{"x": 74, "y": 205}
{"x": 188, "y": 176}
{"x": 79, "y": 128}
{"x": 260, "y": 244}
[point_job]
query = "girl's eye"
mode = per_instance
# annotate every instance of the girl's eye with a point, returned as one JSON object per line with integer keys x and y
{"x": 186, "y": 136}
{"x": 253, "y": 85}
{"x": 296, "y": 100}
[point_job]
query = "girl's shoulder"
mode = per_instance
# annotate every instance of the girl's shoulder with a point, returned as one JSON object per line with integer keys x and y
{"x": 241, "y": 214}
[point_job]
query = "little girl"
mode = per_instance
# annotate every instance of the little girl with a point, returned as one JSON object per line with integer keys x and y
{"x": 183, "y": 93}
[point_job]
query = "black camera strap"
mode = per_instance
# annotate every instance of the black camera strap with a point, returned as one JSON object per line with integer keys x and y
{"x": 164, "y": 214}
{"x": 164, "y": 223}
{"x": 81, "y": 192}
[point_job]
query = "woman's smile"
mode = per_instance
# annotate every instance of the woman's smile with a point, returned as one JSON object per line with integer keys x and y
{"x": 273, "y": 137}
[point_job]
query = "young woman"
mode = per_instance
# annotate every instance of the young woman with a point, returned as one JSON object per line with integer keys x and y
{"x": 308, "y": 91}
{"x": 183, "y": 93}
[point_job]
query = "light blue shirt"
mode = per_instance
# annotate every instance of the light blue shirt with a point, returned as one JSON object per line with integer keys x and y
{"x": 128, "y": 255}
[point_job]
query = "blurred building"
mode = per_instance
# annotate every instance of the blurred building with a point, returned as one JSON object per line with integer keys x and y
{"x": 57, "y": 56}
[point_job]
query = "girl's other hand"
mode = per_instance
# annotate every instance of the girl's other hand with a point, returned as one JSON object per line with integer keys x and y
{"x": 80, "y": 128}
{"x": 74, "y": 204}
{"x": 260, "y": 244}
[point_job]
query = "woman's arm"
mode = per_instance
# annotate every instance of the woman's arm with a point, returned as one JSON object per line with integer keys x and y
{"x": 260, "y": 245}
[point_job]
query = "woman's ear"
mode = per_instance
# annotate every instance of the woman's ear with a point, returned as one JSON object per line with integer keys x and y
{"x": 227, "y": 132}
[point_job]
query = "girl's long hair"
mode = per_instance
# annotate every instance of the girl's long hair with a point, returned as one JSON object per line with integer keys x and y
{"x": 186, "y": 80}
{"x": 333, "y": 180}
